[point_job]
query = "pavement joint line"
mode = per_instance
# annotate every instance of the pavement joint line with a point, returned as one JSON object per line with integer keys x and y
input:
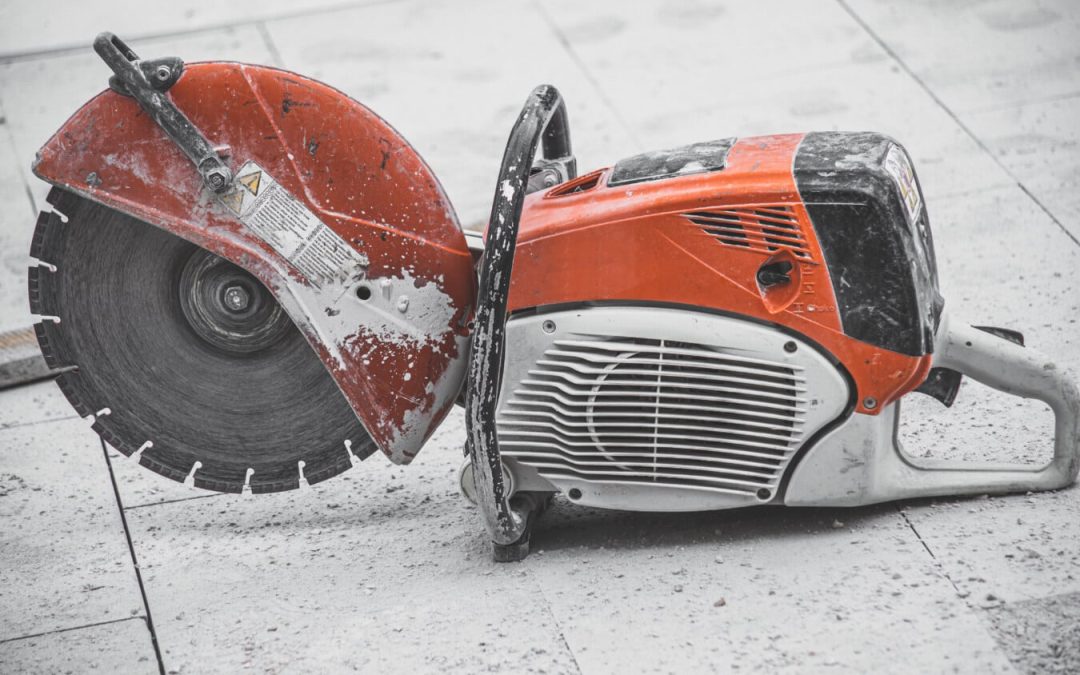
{"x": 134, "y": 558}
{"x": 1007, "y": 105}
{"x": 171, "y": 501}
{"x": 271, "y": 47}
{"x": 19, "y": 425}
{"x": 71, "y": 628}
{"x": 19, "y": 169}
{"x": 208, "y": 28}
{"x": 555, "y": 621}
{"x": 580, "y": 63}
{"x": 937, "y": 563}
{"x": 956, "y": 118}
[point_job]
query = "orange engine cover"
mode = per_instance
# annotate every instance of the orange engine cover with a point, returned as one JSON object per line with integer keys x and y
{"x": 670, "y": 241}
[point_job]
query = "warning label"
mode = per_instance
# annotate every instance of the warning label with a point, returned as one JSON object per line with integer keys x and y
{"x": 284, "y": 222}
{"x": 899, "y": 167}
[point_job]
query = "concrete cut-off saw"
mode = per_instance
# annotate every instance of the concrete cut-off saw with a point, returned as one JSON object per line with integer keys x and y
{"x": 252, "y": 281}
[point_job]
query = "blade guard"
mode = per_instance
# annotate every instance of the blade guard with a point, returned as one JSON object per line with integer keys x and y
{"x": 391, "y": 325}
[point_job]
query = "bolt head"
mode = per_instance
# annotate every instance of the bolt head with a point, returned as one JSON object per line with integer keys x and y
{"x": 216, "y": 179}
{"x": 237, "y": 298}
{"x": 163, "y": 72}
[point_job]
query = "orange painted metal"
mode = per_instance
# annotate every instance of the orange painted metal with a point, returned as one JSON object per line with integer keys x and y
{"x": 637, "y": 243}
{"x": 350, "y": 168}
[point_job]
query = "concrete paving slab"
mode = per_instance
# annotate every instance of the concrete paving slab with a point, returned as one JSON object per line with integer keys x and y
{"x": 66, "y": 559}
{"x": 1005, "y": 549}
{"x": 117, "y": 647}
{"x": 382, "y": 569}
{"x": 983, "y": 54}
{"x": 1040, "y": 144}
{"x": 58, "y": 24}
{"x": 767, "y": 590}
{"x": 17, "y": 216}
{"x": 385, "y": 568}
{"x": 1040, "y": 636}
{"x": 655, "y": 55}
{"x": 454, "y": 94}
{"x": 1002, "y": 261}
{"x": 33, "y": 404}
{"x": 832, "y": 77}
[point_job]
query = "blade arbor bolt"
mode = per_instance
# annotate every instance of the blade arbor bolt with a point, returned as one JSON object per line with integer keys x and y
{"x": 237, "y": 298}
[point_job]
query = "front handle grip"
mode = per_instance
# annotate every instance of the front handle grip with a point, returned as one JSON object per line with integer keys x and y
{"x": 543, "y": 121}
{"x": 125, "y": 64}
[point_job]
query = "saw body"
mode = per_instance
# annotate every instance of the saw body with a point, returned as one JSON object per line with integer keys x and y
{"x": 252, "y": 281}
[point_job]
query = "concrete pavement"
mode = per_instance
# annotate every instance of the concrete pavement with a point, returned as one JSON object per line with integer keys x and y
{"x": 106, "y": 566}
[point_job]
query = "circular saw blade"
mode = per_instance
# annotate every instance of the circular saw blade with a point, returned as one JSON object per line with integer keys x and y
{"x": 158, "y": 388}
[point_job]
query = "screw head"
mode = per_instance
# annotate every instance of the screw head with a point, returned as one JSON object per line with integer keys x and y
{"x": 236, "y": 298}
{"x": 162, "y": 73}
{"x": 869, "y": 402}
{"x": 548, "y": 326}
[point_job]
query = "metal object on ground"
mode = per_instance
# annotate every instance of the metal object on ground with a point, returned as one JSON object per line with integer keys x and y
{"x": 20, "y": 359}
{"x": 725, "y": 324}
{"x": 330, "y": 210}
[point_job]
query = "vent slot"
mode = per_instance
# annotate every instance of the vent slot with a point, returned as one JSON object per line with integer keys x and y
{"x": 634, "y": 410}
{"x": 579, "y": 184}
{"x": 765, "y": 229}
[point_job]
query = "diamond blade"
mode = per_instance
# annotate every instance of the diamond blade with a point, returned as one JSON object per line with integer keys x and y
{"x": 176, "y": 364}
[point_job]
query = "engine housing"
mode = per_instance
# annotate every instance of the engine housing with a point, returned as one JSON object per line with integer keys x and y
{"x": 660, "y": 409}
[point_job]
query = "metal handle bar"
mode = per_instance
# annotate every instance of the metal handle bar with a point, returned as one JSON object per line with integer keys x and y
{"x": 543, "y": 120}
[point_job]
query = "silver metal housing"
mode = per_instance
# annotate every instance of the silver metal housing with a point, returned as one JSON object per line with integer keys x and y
{"x": 658, "y": 409}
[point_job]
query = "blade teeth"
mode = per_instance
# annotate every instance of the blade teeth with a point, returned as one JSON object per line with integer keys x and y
{"x": 69, "y": 387}
{"x": 273, "y": 486}
{"x": 48, "y": 234}
{"x": 101, "y": 426}
{"x": 42, "y": 286}
{"x": 220, "y": 477}
{"x": 146, "y": 459}
{"x": 362, "y": 447}
{"x": 317, "y": 473}
{"x": 51, "y": 341}
{"x": 64, "y": 201}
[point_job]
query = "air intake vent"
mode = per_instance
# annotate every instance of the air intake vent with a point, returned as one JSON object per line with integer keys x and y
{"x": 634, "y": 410}
{"x": 766, "y": 229}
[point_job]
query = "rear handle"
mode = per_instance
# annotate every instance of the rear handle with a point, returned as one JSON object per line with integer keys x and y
{"x": 1013, "y": 369}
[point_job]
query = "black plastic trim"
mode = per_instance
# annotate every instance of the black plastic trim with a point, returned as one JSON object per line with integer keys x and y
{"x": 881, "y": 264}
